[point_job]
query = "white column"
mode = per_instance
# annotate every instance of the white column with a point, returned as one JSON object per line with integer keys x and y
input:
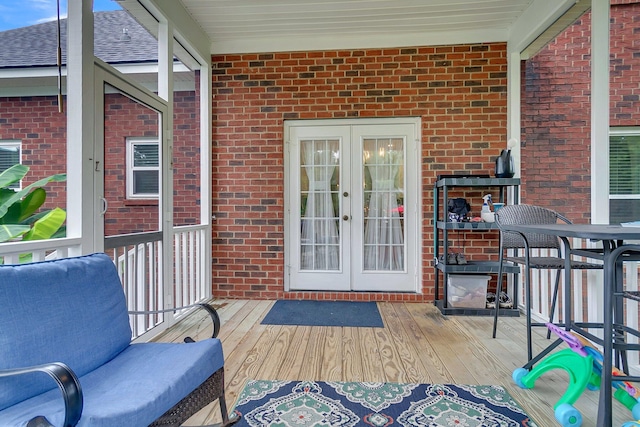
{"x": 600, "y": 11}
{"x": 81, "y": 201}
{"x": 165, "y": 91}
{"x": 514, "y": 89}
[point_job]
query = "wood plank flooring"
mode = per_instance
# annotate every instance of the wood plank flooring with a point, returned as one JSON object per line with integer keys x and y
{"x": 416, "y": 345}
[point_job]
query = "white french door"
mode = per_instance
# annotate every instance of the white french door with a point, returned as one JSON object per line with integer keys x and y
{"x": 352, "y": 203}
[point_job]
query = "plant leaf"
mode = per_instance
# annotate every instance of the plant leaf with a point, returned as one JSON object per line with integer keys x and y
{"x": 12, "y": 216}
{"x": 46, "y": 226}
{"x": 19, "y": 212}
{"x": 4, "y": 206}
{"x": 62, "y": 232}
{"x": 14, "y": 174}
{"x": 5, "y": 194}
{"x": 8, "y": 232}
{"x": 32, "y": 203}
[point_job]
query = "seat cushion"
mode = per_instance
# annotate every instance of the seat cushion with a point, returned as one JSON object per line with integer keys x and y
{"x": 70, "y": 310}
{"x": 134, "y": 389}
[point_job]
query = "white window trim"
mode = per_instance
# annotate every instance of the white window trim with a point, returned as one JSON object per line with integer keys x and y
{"x": 131, "y": 142}
{"x": 623, "y": 131}
{"x": 18, "y": 144}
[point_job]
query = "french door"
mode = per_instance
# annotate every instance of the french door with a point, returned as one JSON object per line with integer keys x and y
{"x": 352, "y": 203}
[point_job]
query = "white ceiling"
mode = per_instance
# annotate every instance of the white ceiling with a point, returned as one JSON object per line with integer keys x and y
{"x": 275, "y": 25}
{"x": 255, "y": 26}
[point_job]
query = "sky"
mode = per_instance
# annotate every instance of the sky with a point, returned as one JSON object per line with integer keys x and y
{"x": 22, "y": 13}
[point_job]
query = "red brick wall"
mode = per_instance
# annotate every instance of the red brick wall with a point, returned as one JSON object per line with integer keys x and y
{"x": 186, "y": 157}
{"x": 42, "y": 129}
{"x": 556, "y": 110}
{"x": 458, "y": 91}
{"x": 36, "y": 122}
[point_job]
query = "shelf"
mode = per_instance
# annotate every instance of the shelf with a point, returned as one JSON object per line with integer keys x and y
{"x": 447, "y": 225}
{"x": 442, "y": 228}
{"x": 477, "y": 182}
{"x": 478, "y": 267}
{"x": 460, "y": 311}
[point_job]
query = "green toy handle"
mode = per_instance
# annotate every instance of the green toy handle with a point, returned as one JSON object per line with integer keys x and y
{"x": 578, "y": 367}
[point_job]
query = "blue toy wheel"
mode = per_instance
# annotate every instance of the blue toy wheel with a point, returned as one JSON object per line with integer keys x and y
{"x": 631, "y": 424}
{"x": 635, "y": 413}
{"x": 518, "y": 375}
{"x": 593, "y": 387}
{"x": 568, "y": 416}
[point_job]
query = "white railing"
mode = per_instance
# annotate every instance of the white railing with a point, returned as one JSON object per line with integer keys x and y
{"x": 38, "y": 250}
{"x": 139, "y": 261}
{"x": 138, "y": 258}
{"x": 190, "y": 265}
{"x": 587, "y": 293}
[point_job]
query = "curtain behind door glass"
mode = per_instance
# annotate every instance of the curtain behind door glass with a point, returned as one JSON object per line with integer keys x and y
{"x": 384, "y": 227}
{"x": 320, "y": 239}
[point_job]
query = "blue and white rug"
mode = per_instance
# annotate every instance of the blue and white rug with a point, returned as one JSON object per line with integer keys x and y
{"x": 309, "y": 403}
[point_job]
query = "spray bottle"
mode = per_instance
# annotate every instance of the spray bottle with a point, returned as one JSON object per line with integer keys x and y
{"x": 485, "y": 213}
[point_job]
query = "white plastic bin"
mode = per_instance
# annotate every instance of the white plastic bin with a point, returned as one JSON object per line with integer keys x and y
{"x": 467, "y": 290}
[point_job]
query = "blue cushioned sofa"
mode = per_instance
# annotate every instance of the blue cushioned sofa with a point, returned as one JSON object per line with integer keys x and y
{"x": 66, "y": 358}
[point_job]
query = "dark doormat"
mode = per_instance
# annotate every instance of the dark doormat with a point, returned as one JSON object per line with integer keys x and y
{"x": 324, "y": 313}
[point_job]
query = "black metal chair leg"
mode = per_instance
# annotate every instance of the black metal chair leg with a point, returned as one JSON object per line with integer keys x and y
{"x": 554, "y": 301}
{"x": 498, "y": 290}
{"x": 527, "y": 304}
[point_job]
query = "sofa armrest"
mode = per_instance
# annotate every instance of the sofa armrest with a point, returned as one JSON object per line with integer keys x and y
{"x": 213, "y": 314}
{"x": 67, "y": 382}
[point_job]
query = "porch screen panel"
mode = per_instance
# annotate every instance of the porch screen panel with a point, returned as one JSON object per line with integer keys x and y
{"x": 132, "y": 157}
{"x": 319, "y": 201}
{"x": 383, "y": 171}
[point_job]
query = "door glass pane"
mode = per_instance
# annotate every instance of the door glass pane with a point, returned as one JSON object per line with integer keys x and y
{"x": 383, "y": 171}
{"x": 320, "y": 204}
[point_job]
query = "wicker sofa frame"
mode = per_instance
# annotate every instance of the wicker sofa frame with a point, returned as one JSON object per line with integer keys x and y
{"x": 57, "y": 291}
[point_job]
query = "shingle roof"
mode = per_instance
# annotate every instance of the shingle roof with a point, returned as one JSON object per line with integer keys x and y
{"x": 36, "y": 45}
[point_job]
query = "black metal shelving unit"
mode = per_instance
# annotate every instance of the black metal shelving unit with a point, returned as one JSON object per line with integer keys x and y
{"x": 441, "y": 229}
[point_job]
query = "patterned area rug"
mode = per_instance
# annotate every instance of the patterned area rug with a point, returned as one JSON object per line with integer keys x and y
{"x": 307, "y": 403}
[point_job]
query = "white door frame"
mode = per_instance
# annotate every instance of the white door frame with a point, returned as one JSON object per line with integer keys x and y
{"x": 413, "y": 188}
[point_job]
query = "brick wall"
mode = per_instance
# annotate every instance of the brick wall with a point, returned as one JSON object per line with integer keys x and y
{"x": 556, "y": 110}
{"x": 42, "y": 129}
{"x": 36, "y": 122}
{"x": 458, "y": 91}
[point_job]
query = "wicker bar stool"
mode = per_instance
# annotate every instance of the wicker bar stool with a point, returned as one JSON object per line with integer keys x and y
{"x": 530, "y": 214}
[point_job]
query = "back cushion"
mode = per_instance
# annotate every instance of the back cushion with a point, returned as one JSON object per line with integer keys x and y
{"x": 70, "y": 310}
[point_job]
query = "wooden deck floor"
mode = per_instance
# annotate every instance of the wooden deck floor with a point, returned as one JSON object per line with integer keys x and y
{"x": 416, "y": 345}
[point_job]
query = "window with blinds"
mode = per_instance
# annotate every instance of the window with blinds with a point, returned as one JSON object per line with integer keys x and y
{"x": 624, "y": 175}
{"x": 143, "y": 168}
{"x": 9, "y": 156}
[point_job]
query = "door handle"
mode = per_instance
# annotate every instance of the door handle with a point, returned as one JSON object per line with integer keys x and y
{"x": 346, "y": 217}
